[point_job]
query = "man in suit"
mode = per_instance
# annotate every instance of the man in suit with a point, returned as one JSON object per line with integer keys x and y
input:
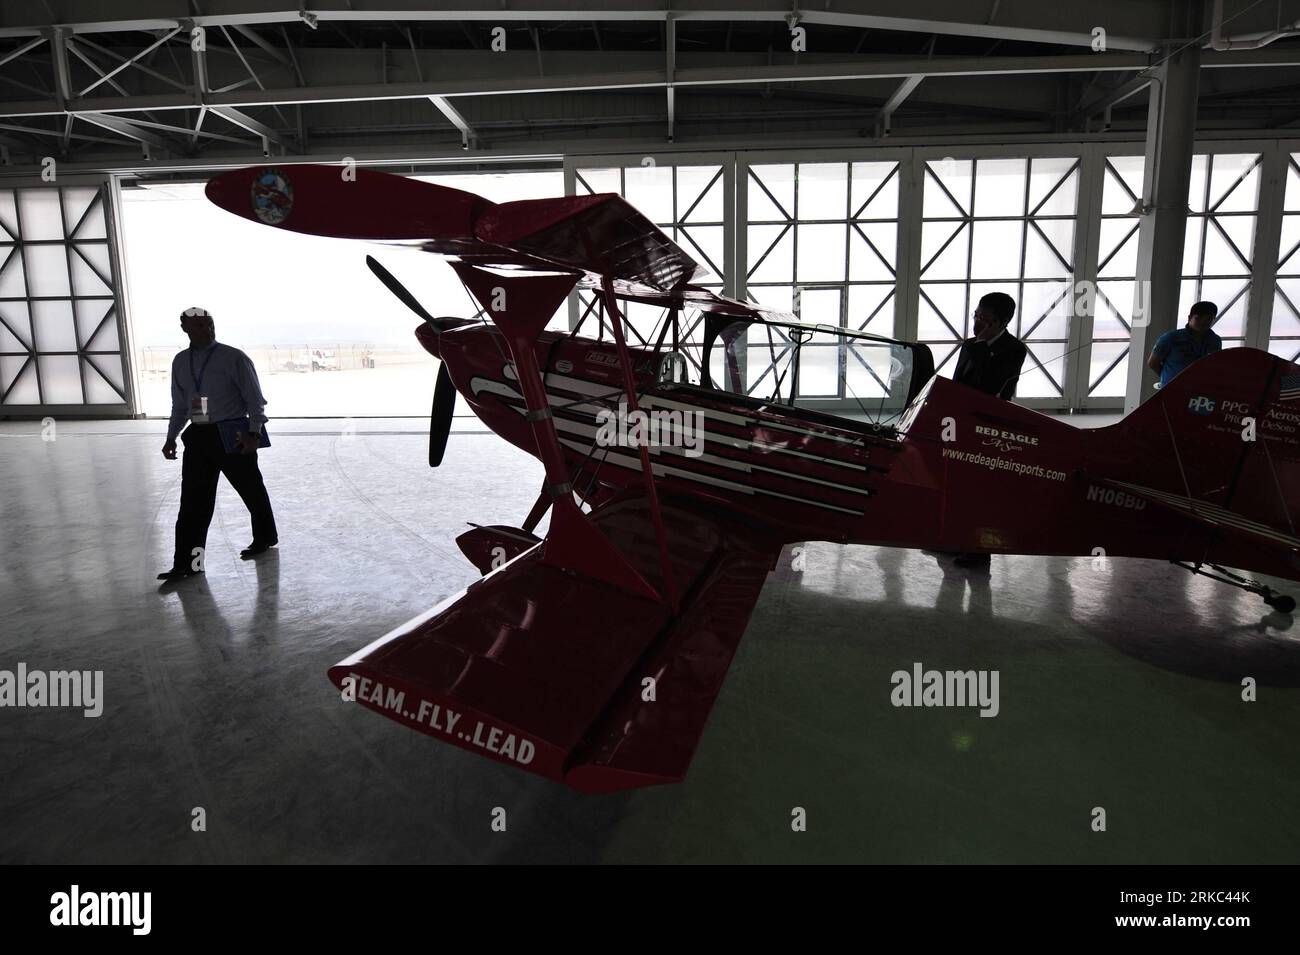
{"x": 212, "y": 383}
{"x": 991, "y": 360}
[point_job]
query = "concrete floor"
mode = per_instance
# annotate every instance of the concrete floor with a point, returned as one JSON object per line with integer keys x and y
{"x": 1119, "y": 687}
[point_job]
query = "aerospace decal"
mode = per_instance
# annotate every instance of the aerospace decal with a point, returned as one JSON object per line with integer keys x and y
{"x": 1005, "y": 440}
{"x": 1280, "y": 426}
{"x": 601, "y": 358}
{"x": 272, "y": 196}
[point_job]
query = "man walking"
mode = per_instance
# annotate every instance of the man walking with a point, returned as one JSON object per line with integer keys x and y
{"x": 215, "y": 387}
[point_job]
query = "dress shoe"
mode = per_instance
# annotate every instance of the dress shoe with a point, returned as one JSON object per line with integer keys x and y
{"x": 255, "y": 548}
{"x": 176, "y": 574}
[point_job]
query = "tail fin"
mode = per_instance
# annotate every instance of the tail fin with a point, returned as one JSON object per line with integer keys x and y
{"x": 1223, "y": 436}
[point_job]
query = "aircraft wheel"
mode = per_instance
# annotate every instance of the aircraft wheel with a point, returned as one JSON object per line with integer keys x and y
{"x": 1281, "y": 602}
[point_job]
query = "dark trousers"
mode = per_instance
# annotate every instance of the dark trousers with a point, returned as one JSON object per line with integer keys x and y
{"x": 205, "y": 460}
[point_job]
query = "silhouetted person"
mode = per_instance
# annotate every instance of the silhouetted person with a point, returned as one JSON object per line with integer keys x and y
{"x": 991, "y": 360}
{"x": 214, "y": 383}
{"x": 1175, "y": 350}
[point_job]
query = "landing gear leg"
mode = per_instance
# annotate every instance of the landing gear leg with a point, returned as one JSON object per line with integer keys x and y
{"x": 1280, "y": 602}
{"x": 539, "y": 510}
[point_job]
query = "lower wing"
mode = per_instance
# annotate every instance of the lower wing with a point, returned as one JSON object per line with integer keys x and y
{"x": 567, "y": 677}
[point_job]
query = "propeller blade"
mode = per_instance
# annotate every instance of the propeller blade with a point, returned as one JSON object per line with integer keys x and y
{"x": 444, "y": 404}
{"x": 397, "y": 288}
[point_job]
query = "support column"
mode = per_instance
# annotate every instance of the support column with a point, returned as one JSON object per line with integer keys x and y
{"x": 1268, "y": 241}
{"x": 1171, "y": 127}
{"x": 571, "y": 189}
{"x": 1083, "y": 296}
{"x": 907, "y": 290}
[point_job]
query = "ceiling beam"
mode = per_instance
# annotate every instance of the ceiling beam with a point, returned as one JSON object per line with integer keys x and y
{"x": 59, "y": 62}
{"x": 806, "y": 72}
{"x": 263, "y": 44}
{"x": 14, "y": 54}
{"x": 257, "y": 128}
{"x": 468, "y": 137}
{"x": 880, "y": 125}
{"x": 124, "y": 127}
{"x": 714, "y": 76}
{"x": 763, "y": 12}
{"x": 670, "y": 68}
{"x": 552, "y": 150}
{"x": 107, "y": 77}
{"x": 139, "y": 66}
{"x": 1114, "y": 97}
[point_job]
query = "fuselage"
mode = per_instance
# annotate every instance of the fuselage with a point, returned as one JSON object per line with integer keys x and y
{"x": 960, "y": 470}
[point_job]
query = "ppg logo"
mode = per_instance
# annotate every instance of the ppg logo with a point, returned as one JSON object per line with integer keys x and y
{"x": 1201, "y": 405}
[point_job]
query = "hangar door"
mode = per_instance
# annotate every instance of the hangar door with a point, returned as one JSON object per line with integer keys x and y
{"x": 61, "y": 335}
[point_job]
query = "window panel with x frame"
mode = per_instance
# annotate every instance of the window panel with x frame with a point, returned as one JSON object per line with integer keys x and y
{"x": 688, "y": 203}
{"x": 1000, "y": 225}
{"x": 821, "y": 242}
{"x": 1284, "y": 333}
{"x": 59, "y": 337}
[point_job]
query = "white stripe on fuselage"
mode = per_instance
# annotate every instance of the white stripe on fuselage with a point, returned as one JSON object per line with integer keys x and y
{"x": 582, "y": 386}
{"x": 587, "y": 430}
{"x": 661, "y": 470}
{"x": 590, "y": 431}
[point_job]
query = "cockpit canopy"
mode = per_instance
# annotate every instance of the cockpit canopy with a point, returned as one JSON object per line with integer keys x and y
{"x": 797, "y": 365}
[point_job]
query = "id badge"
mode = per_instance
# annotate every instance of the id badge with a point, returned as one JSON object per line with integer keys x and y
{"x": 199, "y": 409}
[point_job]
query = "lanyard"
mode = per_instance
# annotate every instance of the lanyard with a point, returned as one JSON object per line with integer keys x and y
{"x": 198, "y": 378}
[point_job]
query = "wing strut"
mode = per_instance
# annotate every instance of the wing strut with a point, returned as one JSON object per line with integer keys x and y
{"x": 647, "y": 474}
{"x": 520, "y": 306}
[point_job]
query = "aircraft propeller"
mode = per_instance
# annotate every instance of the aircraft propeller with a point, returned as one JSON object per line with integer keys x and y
{"x": 397, "y": 288}
{"x": 444, "y": 392}
{"x": 444, "y": 405}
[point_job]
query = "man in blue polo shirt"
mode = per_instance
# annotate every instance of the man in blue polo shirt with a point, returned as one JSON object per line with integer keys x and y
{"x": 1175, "y": 350}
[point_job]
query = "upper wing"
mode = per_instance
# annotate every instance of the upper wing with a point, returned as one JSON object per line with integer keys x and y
{"x": 599, "y": 235}
{"x": 538, "y": 668}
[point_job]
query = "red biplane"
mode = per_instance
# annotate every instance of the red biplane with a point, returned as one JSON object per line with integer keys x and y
{"x": 594, "y": 655}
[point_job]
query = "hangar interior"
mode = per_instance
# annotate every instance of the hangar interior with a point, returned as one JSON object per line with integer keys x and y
{"x": 872, "y": 166}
